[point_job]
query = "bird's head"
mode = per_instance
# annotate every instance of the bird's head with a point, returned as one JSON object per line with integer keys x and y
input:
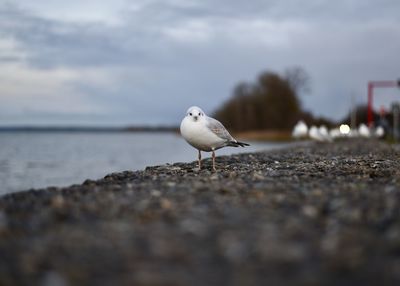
{"x": 195, "y": 113}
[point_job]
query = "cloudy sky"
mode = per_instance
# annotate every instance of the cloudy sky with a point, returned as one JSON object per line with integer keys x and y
{"x": 145, "y": 61}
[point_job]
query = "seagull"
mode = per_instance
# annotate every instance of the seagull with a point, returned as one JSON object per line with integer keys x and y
{"x": 205, "y": 133}
{"x": 314, "y": 134}
{"x": 364, "y": 131}
{"x": 379, "y": 132}
{"x": 319, "y": 134}
{"x": 300, "y": 130}
{"x": 335, "y": 133}
{"x": 323, "y": 131}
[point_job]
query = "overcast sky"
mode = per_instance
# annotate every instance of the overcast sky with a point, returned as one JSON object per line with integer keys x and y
{"x": 146, "y": 61}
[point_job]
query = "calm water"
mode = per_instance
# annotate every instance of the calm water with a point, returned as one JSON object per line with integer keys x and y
{"x": 36, "y": 160}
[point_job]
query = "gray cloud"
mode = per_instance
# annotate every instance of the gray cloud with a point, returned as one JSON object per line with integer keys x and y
{"x": 163, "y": 56}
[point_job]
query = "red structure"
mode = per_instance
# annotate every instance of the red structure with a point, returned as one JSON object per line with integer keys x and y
{"x": 371, "y": 86}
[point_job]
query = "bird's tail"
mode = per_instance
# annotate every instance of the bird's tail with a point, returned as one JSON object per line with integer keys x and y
{"x": 237, "y": 144}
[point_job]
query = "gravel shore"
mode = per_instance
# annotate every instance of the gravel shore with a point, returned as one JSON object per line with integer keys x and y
{"x": 317, "y": 214}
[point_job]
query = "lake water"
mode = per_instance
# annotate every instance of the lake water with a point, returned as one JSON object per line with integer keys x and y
{"x": 40, "y": 159}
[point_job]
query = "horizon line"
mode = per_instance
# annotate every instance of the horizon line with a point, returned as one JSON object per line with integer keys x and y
{"x": 72, "y": 128}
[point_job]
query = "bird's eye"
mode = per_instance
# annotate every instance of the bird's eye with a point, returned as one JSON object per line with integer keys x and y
{"x": 190, "y": 114}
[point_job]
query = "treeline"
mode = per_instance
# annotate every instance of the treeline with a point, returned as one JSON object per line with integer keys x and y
{"x": 359, "y": 115}
{"x": 271, "y": 102}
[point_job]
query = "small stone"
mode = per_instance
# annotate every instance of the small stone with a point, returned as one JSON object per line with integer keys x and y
{"x": 155, "y": 193}
{"x": 257, "y": 194}
{"x": 317, "y": 193}
{"x": 143, "y": 204}
{"x": 310, "y": 211}
{"x": 224, "y": 191}
{"x": 258, "y": 176}
{"x": 214, "y": 177}
{"x": 193, "y": 226}
{"x": 279, "y": 198}
{"x": 57, "y": 202}
{"x": 233, "y": 174}
{"x": 175, "y": 168}
{"x": 171, "y": 184}
{"x": 53, "y": 278}
{"x": 165, "y": 204}
{"x": 232, "y": 247}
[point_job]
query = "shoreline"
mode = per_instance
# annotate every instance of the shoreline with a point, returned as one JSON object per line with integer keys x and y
{"x": 60, "y": 174}
{"x": 321, "y": 214}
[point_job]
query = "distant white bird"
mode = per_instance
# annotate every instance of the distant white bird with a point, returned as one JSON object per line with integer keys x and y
{"x": 364, "y": 131}
{"x": 205, "y": 133}
{"x": 353, "y": 133}
{"x": 324, "y": 131}
{"x": 335, "y": 133}
{"x": 319, "y": 134}
{"x": 379, "y": 132}
{"x": 314, "y": 134}
{"x": 300, "y": 130}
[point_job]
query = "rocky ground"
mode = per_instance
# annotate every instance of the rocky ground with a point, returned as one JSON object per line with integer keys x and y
{"x": 319, "y": 214}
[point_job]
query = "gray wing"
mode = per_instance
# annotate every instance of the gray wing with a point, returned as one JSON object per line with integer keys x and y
{"x": 218, "y": 129}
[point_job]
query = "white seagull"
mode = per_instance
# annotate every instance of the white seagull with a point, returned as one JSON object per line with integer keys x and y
{"x": 379, "y": 132}
{"x": 323, "y": 131}
{"x": 314, "y": 133}
{"x": 205, "y": 133}
{"x": 319, "y": 134}
{"x": 300, "y": 130}
{"x": 364, "y": 131}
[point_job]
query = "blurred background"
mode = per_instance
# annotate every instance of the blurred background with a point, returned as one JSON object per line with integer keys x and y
{"x": 92, "y": 87}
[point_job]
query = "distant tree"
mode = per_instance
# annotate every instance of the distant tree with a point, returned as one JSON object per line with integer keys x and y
{"x": 298, "y": 79}
{"x": 269, "y": 103}
{"x": 232, "y": 113}
{"x": 279, "y": 105}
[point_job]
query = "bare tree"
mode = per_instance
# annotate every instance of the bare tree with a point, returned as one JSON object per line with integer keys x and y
{"x": 298, "y": 79}
{"x": 269, "y": 103}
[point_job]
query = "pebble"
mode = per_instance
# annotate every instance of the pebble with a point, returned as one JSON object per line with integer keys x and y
{"x": 53, "y": 279}
{"x": 57, "y": 202}
{"x": 214, "y": 177}
{"x": 310, "y": 211}
{"x": 170, "y": 184}
{"x": 165, "y": 204}
{"x": 258, "y": 176}
{"x": 155, "y": 193}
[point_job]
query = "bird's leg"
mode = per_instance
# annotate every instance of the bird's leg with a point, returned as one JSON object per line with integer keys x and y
{"x": 199, "y": 160}
{"x": 213, "y": 161}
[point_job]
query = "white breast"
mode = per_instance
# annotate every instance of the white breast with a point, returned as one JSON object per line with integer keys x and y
{"x": 199, "y": 136}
